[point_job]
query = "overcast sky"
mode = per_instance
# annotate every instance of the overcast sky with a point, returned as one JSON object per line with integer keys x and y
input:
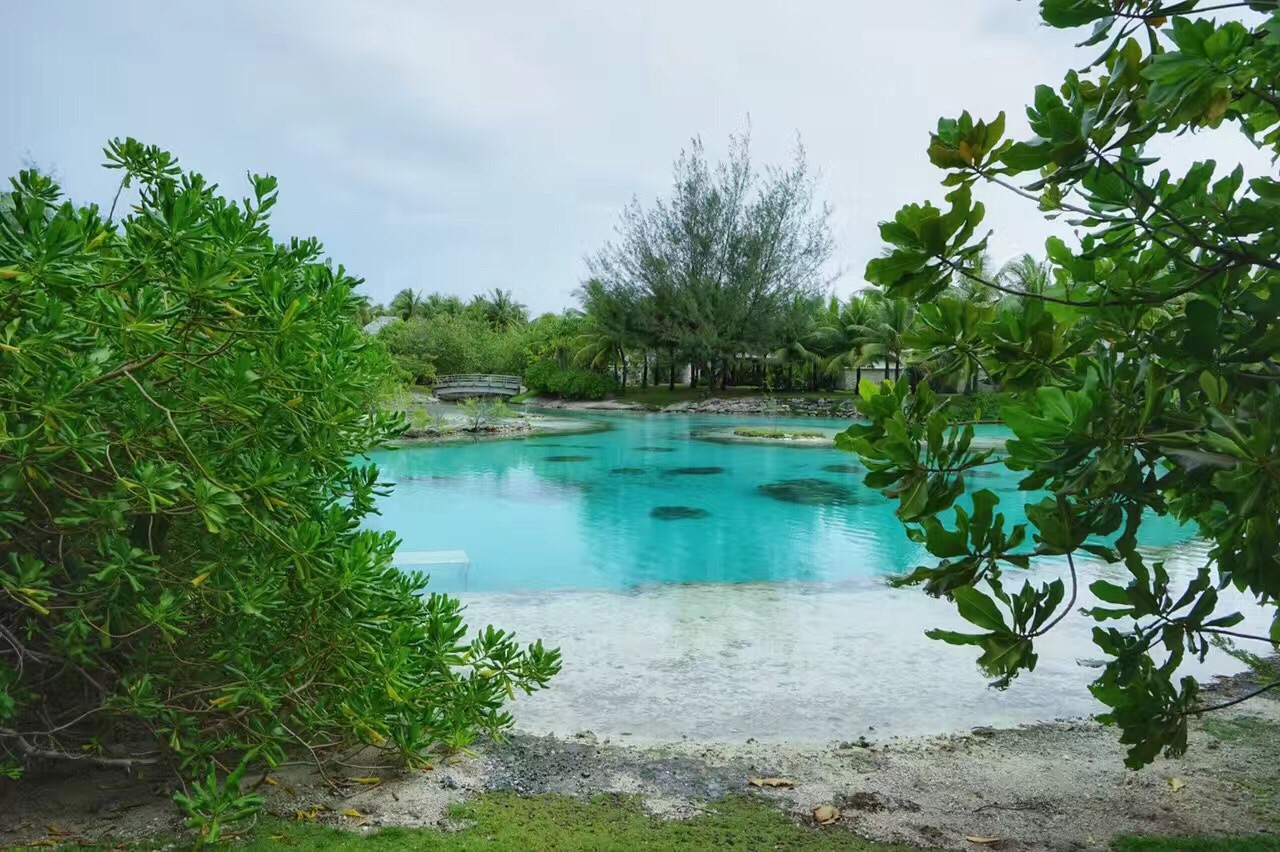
{"x": 465, "y": 146}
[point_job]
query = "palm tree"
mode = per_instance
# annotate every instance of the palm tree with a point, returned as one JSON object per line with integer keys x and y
{"x": 501, "y": 310}
{"x": 981, "y": 268}
{"x": 438, "y": 304}
{"x": 362, "y": 310}
{"x": 839, "y": 327}
{"x": 801, "y": 342}
{"x": 1026, "y": 275}
{"x": 884, "y": 331}
{"x": 609, "y": 328}
{"x": 406, "y": 303}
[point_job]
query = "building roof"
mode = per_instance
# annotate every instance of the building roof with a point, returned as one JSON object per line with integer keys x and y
{"x": 378, "y": 324}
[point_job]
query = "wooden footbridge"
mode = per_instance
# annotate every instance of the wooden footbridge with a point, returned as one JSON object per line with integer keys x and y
{"x": 475, "y": 384}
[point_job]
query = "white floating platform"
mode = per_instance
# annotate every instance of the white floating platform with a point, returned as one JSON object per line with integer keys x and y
{"x": 431, "y": 557}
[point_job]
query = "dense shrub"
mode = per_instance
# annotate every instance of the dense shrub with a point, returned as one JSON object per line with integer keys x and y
{"x": 183, "y": 573}
{"x": 448, "y": 343}
{"x": 569, "y": 383}
{"x": 975, "y": 407}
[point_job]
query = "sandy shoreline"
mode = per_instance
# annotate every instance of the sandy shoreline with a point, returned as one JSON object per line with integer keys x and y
{"x": 534, "y": 426}
{"x": 1059, "y": 785}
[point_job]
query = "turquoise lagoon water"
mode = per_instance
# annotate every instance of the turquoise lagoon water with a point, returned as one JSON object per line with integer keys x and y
{"x": 586, "y": 511}
{"x": 758, "y": 619}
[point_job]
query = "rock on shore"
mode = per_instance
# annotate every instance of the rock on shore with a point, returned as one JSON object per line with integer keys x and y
{"x": 781, "y": 406}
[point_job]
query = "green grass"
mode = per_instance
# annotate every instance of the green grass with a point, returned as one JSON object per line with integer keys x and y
{"x": 1235, "y": 729}
{"x": 611, "y": 823}
{"x": 507, "y": 821}
{"x": 781, "y": 434}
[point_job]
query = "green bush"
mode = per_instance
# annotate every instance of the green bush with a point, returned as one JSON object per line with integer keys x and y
{"x": 975, "y": 407}
{"x": 183, "y": 574}
{"x": 569, "y": 383}
{"x": 781, "y": 434}
{"x": 483, "y": 413}
{"x": 416, "y": 370}
{"x": 444, "y": 344}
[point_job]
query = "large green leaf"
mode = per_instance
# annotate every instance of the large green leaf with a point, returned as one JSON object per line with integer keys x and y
{"x": 979, "y": 609}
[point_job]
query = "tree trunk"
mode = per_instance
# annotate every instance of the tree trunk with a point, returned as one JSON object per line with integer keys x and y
{"x": 644, "y": 375}
{"x": 671, "y": 379}
{"x": 897, "y": 366}
{"x": 623, "y": 355}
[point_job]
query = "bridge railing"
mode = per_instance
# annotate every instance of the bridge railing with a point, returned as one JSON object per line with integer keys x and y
{"x": 469, "y": 384}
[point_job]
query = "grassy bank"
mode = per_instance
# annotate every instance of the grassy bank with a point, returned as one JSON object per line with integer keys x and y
{"x": 778, "y": 434}
{"x": 507, "y": 821}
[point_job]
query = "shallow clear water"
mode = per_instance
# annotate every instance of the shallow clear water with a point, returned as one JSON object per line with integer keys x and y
{"x": 577, "y": 511}
{"x": 761, "y": 619}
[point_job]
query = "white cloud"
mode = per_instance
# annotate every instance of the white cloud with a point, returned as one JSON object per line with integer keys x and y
{"x": 465, "y": 146}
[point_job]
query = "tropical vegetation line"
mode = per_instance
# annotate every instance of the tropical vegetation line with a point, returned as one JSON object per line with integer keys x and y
{"x": 730, "y": 317}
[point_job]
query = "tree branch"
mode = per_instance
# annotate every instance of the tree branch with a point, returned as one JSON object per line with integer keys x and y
{"x": 1233, "y": 701}
{"x": 1193, "y": 236}
{"x": 1208, "y": 273}
{"x": 1263, "y": 96}
{"x": 1075, "y": 587}
{"x": 127, "y": 368}
{"x": 32, "y": 751}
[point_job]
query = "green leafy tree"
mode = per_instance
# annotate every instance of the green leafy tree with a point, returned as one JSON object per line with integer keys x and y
{"x": 451, "y": 343}
{"x": 413, "y": 348}
{"x": 406, "y": 303}
{"x": 184, "y": 578}
{"x": 553, "y": 337}
{"x": 1145, "y": 375}
{"x": 950, "y": 330}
